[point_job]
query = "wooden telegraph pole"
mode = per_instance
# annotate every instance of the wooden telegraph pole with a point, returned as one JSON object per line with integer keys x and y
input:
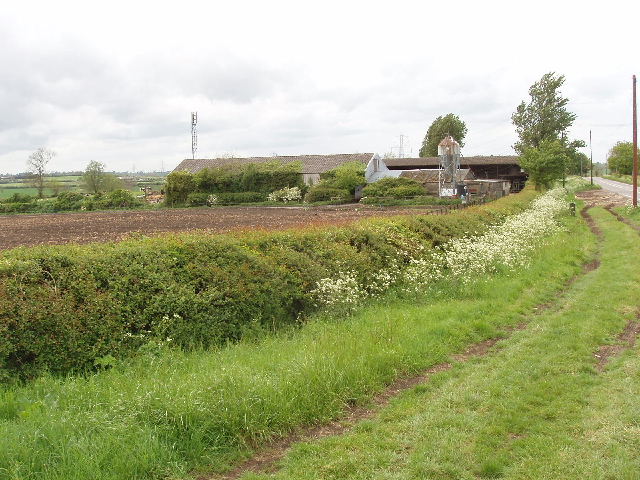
{"x": 635, "y": 148}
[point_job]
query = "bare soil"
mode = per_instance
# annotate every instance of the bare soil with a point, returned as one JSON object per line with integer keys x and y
{"x": 601, "y": 198}
{"x": 107, "y": 226}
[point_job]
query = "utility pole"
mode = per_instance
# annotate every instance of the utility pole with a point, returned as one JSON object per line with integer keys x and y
{"x": 635, "y": 148}
{"x": 591, "y": 153}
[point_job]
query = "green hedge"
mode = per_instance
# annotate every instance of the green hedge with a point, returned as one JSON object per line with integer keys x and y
{"x": 393, "y": 187}
{"x": 72, "y": 201}
{"x": 64, "y": 308}
{"x": 324, "y": 194}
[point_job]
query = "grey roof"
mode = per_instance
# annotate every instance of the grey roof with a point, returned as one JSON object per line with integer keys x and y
{"x": 310, "y": 163}
{"x": 426, "y": 162}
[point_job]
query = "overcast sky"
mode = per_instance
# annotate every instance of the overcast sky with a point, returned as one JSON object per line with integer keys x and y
{"x": 117, "y": 81}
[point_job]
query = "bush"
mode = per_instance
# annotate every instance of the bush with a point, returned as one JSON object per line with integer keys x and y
{"x": 407, "y": 191}
{"x": 323, "y": 194}
{"x": 67, "y": 201}
{"x": 393, "y": 187}
{"x": 20, "y": 198}
{"x": 119, "y": 198}
{"x": 197, "y": 199}
{"x": 344, "y": 177}
{"x": 240, "y": 197}
{"x": 285, "y": 195}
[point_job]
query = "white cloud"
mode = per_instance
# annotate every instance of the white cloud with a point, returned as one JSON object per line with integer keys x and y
{"x": 116, "y": 81}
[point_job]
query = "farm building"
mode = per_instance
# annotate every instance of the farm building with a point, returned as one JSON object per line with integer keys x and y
{"x": 432, "y": 178}
{"x": 493, "y": 176}
{"x": 312, "y": 165}
{"x": 503, "y": 167}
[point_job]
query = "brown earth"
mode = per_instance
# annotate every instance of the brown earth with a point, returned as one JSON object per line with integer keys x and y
{"x": 89, "y": 227}
{"x": 601, "y": 198}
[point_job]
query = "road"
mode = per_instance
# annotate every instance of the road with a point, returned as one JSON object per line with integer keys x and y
{"x": 620, "y": 188}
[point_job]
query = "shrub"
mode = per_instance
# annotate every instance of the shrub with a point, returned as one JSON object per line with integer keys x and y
{"x": 177, "y": 187}
{"x": 344, "y": 177}
{"x": 393, "y": 186}
{"x": 119, "y": 198}
{"x": 197, "y": 199}
{"x": 69, "y": 201}
{"x": 323, "y": 194}
{"x": 20, "y": 198}
{"x": 407, "y": 191}
{"x": 239, "y": 198}
{"x": 286, "y": 194}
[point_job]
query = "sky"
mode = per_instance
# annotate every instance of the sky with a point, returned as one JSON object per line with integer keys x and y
{"x": 116, "y": 81}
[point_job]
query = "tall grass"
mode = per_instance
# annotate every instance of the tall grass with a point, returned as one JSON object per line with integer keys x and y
{"x": 535, "y": 408}
{"x": 167, "y": 412}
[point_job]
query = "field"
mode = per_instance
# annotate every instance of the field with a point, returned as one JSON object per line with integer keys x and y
{"x": 72, "y": 183}
{"x": 87, "y": 227}
{"x": 108, "y": 226}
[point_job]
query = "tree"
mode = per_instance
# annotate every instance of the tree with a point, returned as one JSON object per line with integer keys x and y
{"x": 93, "y": 178}
{"x": 178, "y": 186}
{"x": 37, "y": 165}
{"x": 579, "y": 163}
{"x": 450, "y": 124}
{"x": 545, "y": 116}
{"x": 346, "y": 177}
{"x": 544, "y": 121}
{"x": 545, "y": 163}
{"x": 620, "y": 158}
{"x": 55, "y": 186}
{"x": 96, "y": 180}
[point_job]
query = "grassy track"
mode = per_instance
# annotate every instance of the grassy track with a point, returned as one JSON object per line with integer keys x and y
{"x": 535, "y": 408}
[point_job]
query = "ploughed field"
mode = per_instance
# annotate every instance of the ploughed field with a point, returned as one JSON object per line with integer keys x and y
{"x": 106, "y": 226}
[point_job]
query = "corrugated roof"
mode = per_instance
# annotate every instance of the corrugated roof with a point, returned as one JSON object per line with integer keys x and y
{"x": 433, "y": 175}
{"x": 430, "y": 162}
{"x": 310, "y": 163}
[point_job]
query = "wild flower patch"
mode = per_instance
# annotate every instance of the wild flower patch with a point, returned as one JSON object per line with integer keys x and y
{"x": 506, "y": 246}
{"x": 286, "y": 194}
{"x": 629, "y": 209}
{"x": 342, "y": 292}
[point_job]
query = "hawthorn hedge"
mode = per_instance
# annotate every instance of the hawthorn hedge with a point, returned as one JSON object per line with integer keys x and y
{"x": 64, "y": 308}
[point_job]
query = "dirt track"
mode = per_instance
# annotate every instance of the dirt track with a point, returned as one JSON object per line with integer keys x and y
{"x": 602, "y": 198}
{"x": 88, "y": 227}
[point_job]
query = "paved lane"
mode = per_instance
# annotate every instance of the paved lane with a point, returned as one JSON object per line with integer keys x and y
{"x": 620, "y": 188}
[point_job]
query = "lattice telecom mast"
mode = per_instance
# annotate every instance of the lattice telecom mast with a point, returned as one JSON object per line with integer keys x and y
{"x": 194, "y": 134}
{"x": 449, "y": 156}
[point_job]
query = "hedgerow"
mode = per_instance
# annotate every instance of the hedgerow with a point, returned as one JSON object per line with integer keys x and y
{"x": 66, "y": 308}
{"x": 72, "y": 201}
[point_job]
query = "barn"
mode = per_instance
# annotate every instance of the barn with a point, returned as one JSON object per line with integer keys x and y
{"x": 494, "y": 175}
{"x": 312, "y": 165}
{"x": 503, "y": 167}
